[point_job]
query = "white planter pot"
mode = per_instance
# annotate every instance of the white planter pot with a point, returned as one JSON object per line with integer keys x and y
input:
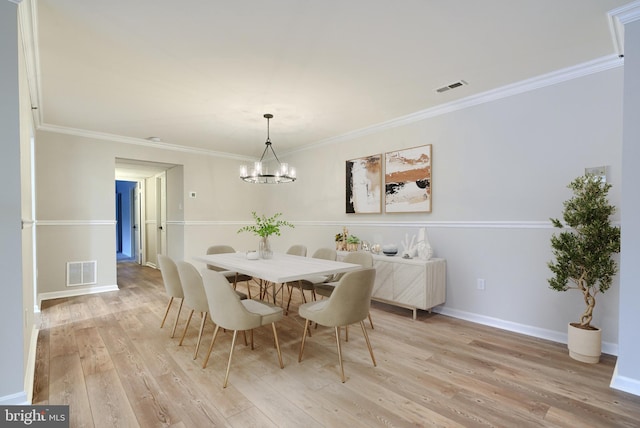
{"x": 584, "y": 345}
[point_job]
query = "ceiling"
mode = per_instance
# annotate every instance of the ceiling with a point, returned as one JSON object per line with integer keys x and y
{"x": 202, "y": 73}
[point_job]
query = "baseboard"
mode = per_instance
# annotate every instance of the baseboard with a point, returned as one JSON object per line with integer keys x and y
{"x": 75, "y": 292}
{"x": 30, "y": 371}
{"x": 17, "y": 399}
{"x": 541, "y": 333}
{"x": 626, "y": 384}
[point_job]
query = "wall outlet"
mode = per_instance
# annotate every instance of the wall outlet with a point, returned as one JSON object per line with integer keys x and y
{"x": 480, "y": 284}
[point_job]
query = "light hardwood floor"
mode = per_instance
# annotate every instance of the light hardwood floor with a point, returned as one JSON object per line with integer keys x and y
{"x": 106, "y": 357}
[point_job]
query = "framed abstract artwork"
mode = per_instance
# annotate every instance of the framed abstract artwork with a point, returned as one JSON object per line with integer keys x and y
{"x": 407, "y": 180}
{"x": 364, "y": 185}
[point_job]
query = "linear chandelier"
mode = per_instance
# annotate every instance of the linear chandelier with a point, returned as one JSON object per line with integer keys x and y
{"x": 260, "y": 174}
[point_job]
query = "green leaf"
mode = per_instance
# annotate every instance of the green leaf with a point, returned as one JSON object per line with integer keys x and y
{"x": 266, "y": 226}
{"x": 583, "y": 252}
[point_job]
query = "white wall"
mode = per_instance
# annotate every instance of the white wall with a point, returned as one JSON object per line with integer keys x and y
{"x": 627, "y": 375}
{"x": 11, "y": 304}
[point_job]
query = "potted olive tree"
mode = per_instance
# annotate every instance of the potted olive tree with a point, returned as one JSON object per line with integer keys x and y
{"x": 583, "y": 258}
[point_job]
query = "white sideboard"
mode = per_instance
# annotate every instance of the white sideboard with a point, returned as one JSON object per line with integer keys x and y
{"x": 409, "y": 283}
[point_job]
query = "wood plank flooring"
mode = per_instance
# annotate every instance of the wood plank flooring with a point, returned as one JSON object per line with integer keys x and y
{"x": 106, "y": 357}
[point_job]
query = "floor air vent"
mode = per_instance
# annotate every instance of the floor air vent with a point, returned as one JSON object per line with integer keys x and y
{"x": 81, "y": 273}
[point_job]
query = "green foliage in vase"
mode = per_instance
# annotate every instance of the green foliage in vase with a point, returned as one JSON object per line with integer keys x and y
{"x": 266, "y": 226}
{"x": 583, "y": 253}
{"x": 352, "y": 239}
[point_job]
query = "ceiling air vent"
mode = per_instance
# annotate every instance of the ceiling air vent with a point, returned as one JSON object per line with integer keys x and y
{"x": 452, "y": 86}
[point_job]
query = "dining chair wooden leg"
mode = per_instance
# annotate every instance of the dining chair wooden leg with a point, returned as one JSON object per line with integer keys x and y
{"x": 366, "y": 337}
{"x": 204, "y": 318}
{"x": 251, "y": 338}
{"x": 166, "y": 312}
{"x": 175, "y": 323}
{"x": 304, "y": 337}
{"x": 186, "y": 326}
{"x": 244, "y": 333}
{"x": 340, "y": 353}
{"x": 275, "y": 336}
{"x": 213, "y": 340}
{"x": 233, "y": 344}
{"x": 346, "y": 333}
{"x": 370, "y": 321}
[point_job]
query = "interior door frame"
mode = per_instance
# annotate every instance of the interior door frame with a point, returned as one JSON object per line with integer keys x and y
{"x": 140, "y": 171}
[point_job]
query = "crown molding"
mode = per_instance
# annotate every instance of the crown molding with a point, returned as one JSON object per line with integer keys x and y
{"x": 139, "y": 142}
{"x": 549, "y": 79}
{"x": 617, "y": 19}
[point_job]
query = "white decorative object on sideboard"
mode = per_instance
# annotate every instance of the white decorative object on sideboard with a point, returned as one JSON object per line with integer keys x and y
{"x": 409, "y": 283}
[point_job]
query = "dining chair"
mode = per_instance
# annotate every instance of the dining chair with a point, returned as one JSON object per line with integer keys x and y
{"x": 348, "y": 304}
{"x": 362, "y": 258}
{"x": 229, "y": 312}
{"x": 233, "y": 277}
{"x": 308, "y": 284}
{"x": 172, "y": 285}
{"x": 195, "y": 298}
{"x": 297, "y": 250}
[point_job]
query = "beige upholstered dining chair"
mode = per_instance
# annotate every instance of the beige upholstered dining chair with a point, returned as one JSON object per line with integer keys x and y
{"x": 297, "y": 250}
{"x": 308, "y": 284}
{"x": 361, "y": 258}
{"x": 172, "y": 285}
{"x": 348, "y": 304}
{"x": 231, "y": 313}
{"x": 233, "y": 277}
{"x": 195, "y": 298}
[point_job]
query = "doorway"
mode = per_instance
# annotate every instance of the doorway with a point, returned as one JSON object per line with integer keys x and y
{"x": 140, "y": 202}
{"x": 127, "y": 223}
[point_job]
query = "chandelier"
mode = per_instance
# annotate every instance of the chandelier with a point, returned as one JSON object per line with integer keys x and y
{"x": 260, "y": 174}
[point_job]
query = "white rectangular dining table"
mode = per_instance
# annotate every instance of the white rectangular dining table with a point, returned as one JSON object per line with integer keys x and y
{"x": 279, "y": 269}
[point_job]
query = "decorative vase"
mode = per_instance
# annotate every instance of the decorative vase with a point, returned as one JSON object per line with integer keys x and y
{"x": 424, "y": 250}
{"x": 584, "y": 345}
{"x": 264, "y": 248}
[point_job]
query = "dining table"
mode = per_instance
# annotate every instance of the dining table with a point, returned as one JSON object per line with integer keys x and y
{"x": 279, "y": 269}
